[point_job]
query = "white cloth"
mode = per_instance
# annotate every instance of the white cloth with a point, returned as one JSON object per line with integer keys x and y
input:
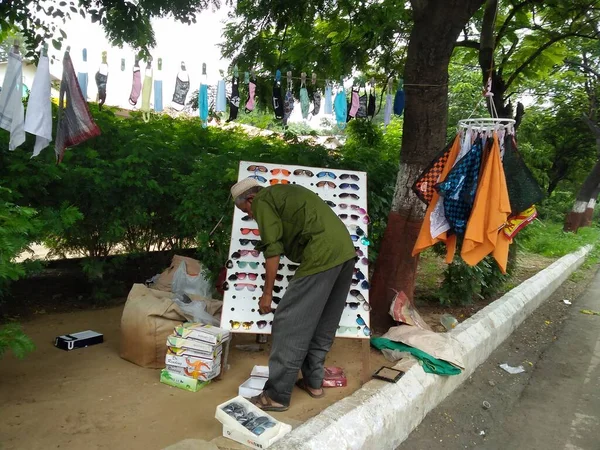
{"x": 12, "y": 113}
{"x": 38, "y": 119}
{"x": 389, "y": 103}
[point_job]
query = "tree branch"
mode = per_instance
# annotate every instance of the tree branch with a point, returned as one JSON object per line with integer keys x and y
{"x": 592, "y": 126}
{"x": 468, "y": 44}
{"x": 510, "y": 16}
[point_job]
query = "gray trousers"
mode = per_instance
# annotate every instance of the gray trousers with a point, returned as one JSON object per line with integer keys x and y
{"x": 304, "y": 327}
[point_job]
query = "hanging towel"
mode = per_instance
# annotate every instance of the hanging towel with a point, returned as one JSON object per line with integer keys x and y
{"x": 341, "y": 108}
{"x": 221, "y": 101}
{"x": 251, "y": 96}
{"x": 75, "y": 123}
{"x": 304, "y": 102}
{"x": 12, "y": 113}
{"x": 158, "y": 96}
{"x": 371, "y": 105}
{"x": 354, "y": 104}
{"x": 101, "y": 80}
{"x": 234, "y": 100}
{"x": 490, "y": 213}
{"x": 288, "y": 106}
{"x": 387, "y": 112}
{"x": 316, "y": 102}
{"x": 362, "y": 107}
{"x": 82, "y": 77}
{"x": 277, "y": 101}
{"x": 38, "y": 120}
{"x": 203, "y": 104}
{"x": 182, "y": 86}
{"x": 136, "y": 86}
{"x": 328, "y": 108}
{"x": 399, "y": 102}
{"x": 146, "y": 95}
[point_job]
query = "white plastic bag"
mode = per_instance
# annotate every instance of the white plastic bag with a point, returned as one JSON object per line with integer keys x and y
{"x": 190, "y": 284}
{"x": 194, "y": 310}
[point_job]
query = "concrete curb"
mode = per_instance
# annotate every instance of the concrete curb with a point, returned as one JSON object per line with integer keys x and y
{"x": 381, "y": 415}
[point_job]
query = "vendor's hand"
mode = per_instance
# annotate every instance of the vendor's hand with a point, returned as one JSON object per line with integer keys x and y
{"x": 264, "y": 303}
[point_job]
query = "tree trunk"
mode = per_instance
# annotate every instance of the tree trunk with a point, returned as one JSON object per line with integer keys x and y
{"x": 589, "y": 211}
{"x": 575, "y": 218}
{"x": 437, "y": 24}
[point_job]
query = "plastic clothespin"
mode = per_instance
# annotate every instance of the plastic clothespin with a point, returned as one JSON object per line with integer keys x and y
{"x": 236, "y": 72}
{"x": 278, "y": 75}
{"x": 203, "y": 68}
{"x": 246, "y": 77}
{"x": 314, "y": 79}
{"x": 159, "y": 64}
{"x": 84, "y": 54}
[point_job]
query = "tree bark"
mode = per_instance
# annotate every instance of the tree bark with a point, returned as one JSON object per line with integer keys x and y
{"x": 575, "y": 217}
{"x": 437, "y": 25}
{"x": 589, "y": 211}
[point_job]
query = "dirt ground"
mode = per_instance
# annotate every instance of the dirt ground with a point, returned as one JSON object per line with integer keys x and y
{"x": 92, "y": 399}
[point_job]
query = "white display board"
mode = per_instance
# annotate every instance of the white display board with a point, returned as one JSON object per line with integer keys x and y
{"x": 346, "y": 192}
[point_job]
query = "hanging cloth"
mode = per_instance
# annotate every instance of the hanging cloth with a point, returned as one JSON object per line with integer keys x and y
{"x": 136, "y": 85}
{"x": 438, "y": 170}
{"x": 354, "y": 105}
{"x": 362, "y": 105}
{"x": 182, "y": 87}
{"x": 387, "y": 112}
{"x": 38, "y": 119}
{"x": 491, "y": 209}
{"x": 340, "y": 108}
{"x": 328, "y": 108}
{"x": 203, "y": 104}
{"x": 75, "y": 123}
{"x": 304, "y": 102}
{"x": 101, "y": 78}
{"x": 82, "y": 77}
{"x": 146, "y": 94}
{"x": 371, "y": 104}
{"x": 399, "y": 101}
{"x": 288, "y": 105}
{"x": 316, "y": 102}
{"x": 277, "y": 101}
{"x": 12, "y": 113}
{"x": 234, "y": 100}
{"x": 221, "y": 101}
{"x": 250, "y": 103}
{"x": 158, "y": 88}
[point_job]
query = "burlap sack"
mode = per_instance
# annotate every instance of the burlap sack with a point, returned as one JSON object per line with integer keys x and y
{"x": 148, "y": 318}
{"x": 165, "y": 280}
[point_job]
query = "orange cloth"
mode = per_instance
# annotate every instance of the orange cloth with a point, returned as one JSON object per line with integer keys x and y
{"x": 490, "y": 213}
{"x": 425, "y": 239}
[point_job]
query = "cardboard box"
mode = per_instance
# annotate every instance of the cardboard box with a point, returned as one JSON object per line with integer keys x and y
{"x": 234, "y": 430}
{"x": 181, "y": 382}
{"x": 209, "y": 350}
{"x": 78, "y": 340}
{"x": 178, "y": 351}
{"x": 193, "y": 362}
{"x": 194, "y": 373}
{"x": 252, "y": 387}
{"x": 202, "y": 333}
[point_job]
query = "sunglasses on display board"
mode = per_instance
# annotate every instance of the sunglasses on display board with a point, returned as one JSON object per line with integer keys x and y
{"x": 243, "y": 276}
{"x": 364, "y": 284}
{"x": 249, "y": 241}
{"x": 275, "y": 181}
{"x": 363, "y": 240}
{"x": 263, "y": 323}
{"x": 235, "y": 325}
{"x": 246, "y": 231}
{"x": 244, "y": 264}
{"x": 247, "y": 219}
{"x": 278, "y": 268}
{"x": 326, "y": 174}
{"x": 349, "y": 195}
{"x": 351, "y": 176}
{"x": 326, "y": 184}
{"x": 358, "y": 274}
{"x": 353, "y": 208}
{"x": 284, "y": 172}
{"x": 352, "y": 186}
{"x": 258, "y": 178}
{"x": 355, "y": 305}
{"x": 304, "y": 172}
{"x": 242, "y": 252}
{"x": 257, "y": 168}
{"x": 364, "y": 219}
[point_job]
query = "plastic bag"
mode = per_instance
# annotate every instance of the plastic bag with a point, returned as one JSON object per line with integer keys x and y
{"x": 402, "y": 310}
{"x": 190, "y": 284}
{"x": 194, "y": 310}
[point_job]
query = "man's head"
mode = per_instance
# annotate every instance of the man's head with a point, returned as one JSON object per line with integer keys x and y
{"x": 243, "y": 194}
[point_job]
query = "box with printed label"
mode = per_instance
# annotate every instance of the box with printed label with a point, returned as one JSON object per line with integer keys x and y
{"x": 194, "y": 353}
{"x": 185, "y": 360}
{"x": 195, "y": 373}
{"x": 181, "y": 382}
{"x": 203, "y": 333}
{"x": 209, "y": 350}
{"x": 78, "y": 340}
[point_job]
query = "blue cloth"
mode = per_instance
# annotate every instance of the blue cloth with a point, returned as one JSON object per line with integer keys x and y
{"x": 399, "y": 102}
{"x": 341, "y": 108}
{"x": 328, "y": 101}
{"x": 221, "y": 102}
{"x": 82, "y": 78}
{"x": 203, "y": 104}
{"x": 158, "y": 106}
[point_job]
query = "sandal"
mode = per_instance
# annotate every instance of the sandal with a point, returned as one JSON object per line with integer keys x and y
{"x": 263, "y": 402}
{"x": 302, "y": 385}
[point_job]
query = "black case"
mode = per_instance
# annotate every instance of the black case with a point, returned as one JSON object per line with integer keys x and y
{"x": 78, "y": 340}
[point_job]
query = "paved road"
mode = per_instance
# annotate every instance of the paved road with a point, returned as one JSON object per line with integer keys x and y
{"x": 554, "y": 405}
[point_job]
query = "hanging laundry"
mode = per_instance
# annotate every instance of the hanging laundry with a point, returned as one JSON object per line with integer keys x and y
{"x": 147, "y": 92}
{"x": 437, "y": 170}
{"x": 182, "y": 86}
{"x": 288, "y": 105}
{"x": 221, "y": 101}
{"x": 12, "y": 114}
{"x": 371, "y": 105}
{"x": 399, "y": 101}
{"x": 136, "y": 84}
{"x": 251, "y": 95}
{"x": 362, "y": 105}
{"x": 316, "y": 102}
{"x": 82, "y": 77}
{"x": 158, "y": 85}
{"x": 304, "y": 102}
{"x": 519, "y": 221}
{"x": 203, "y": 104}
{"x": 328, "y": 107}
{"x": 354, "y": 105}
{"x": 38, "y": 119}
{"x": 277, "y": 100}
{"x": 387, "y": 112}
{"x": 101, "y": 80}
{"x": 340, "y": 108}
{"x": 234, "y": 100}
{"x": 489, "y": 214}
{"x": 75, "y": 123}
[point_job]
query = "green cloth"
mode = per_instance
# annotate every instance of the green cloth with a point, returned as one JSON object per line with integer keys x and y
{"x": 428, "y": 362}
{"x": 294, "y": 221}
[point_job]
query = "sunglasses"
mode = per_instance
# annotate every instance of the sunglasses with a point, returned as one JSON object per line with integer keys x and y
{"x": 254, "y": 168}
{"x": 360, "y": 320}
{"x": 229, "y": 264}
{"x": 363, "y": 240}
{"x": 249, "y": 241}
{"x": 276, "y": 289}
{"x": 263, "y": 323}
{"x": 364, "y": 261}
{"x": 349, "y": 195}
{"x": 242, "y": 286}
{"x": 326, "y": 174}
{"x": 358, "y": 274}
{"x": 359, "y": 252}
{"x": 346, "y": 216}
{"x": 243, "y": 264}
{"x": 326, "y": 184}
{"x": 357, "y": 230}
{"x": 289, "y": 277}
{"x": 343, "y": 329}
{"x": 345, "y": 176}
{"x": 305, "y": 172}
{"x": 242, "y": 276}
{"x": 279, "y": 268}
{"x": 349, "y": 186}
{"x": 254, "y": 231}
{"x": 276, "y": 300}
{"x": 247, "y": 218}
{"x": 293, "y": 267}
{"x": 258, "y": 178}
{"x": 352, "y": 305}
{"x": 240, "y": 253}
{"x": 330, "y": 203}
{"x": 236, "y": 325}
{"x": 352, "y": 207}
{"x": 363, "y": 284}
{"x": 278, "y": 277}
{"x": 278, "y": 181}
{"x": 284, "y": 172}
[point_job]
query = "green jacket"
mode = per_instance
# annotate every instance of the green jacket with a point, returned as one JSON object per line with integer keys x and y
{"x": 295, "y": 222}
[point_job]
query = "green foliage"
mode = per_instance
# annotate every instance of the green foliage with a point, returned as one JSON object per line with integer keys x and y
{"x": 12, "y": 338}
{"x": 548, "y": 239}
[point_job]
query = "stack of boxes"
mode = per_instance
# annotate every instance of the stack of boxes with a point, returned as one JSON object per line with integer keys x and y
{"x": 196, "y": 353}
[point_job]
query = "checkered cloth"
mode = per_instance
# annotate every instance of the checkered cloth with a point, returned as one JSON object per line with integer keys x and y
{"x": 459, "y": 188}
{"x": 425, "y": 184}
